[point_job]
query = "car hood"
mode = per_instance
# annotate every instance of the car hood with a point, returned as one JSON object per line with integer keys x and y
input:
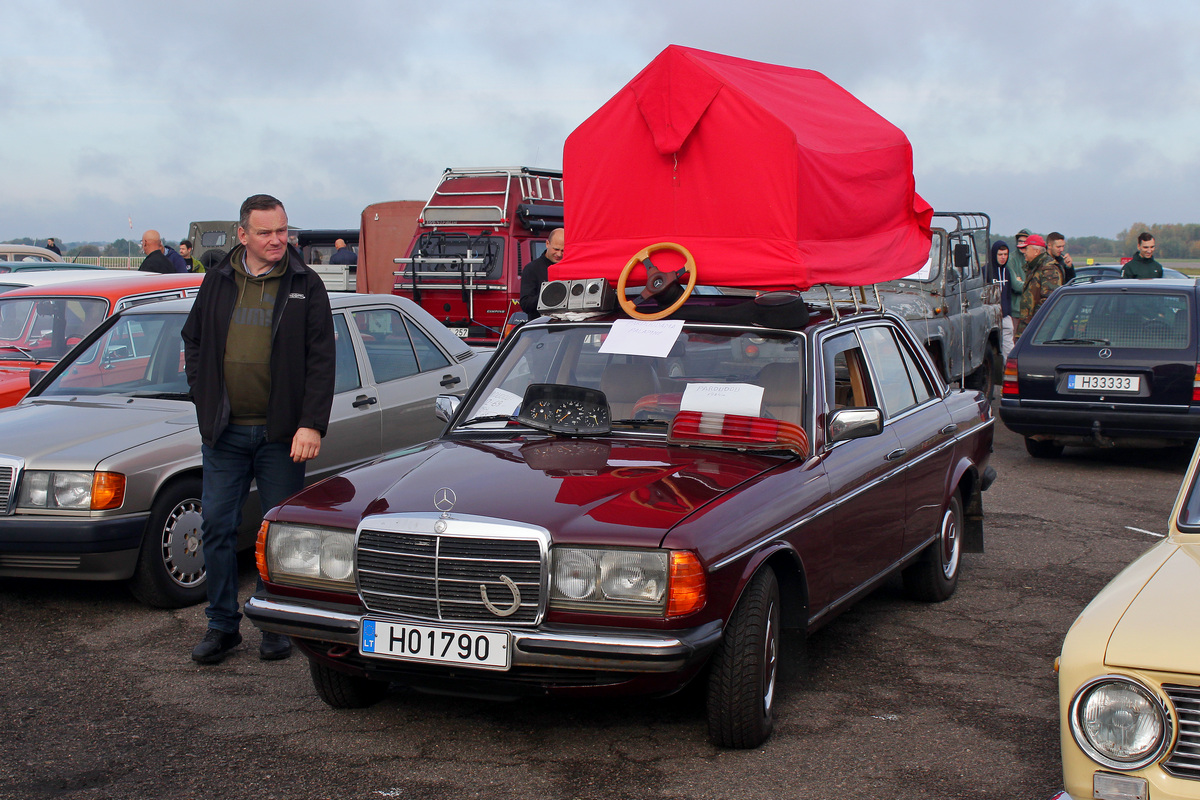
{"x": 581, "y": 490}
{"x": 1158, "y": 630}
{"x": 78, "y": 434}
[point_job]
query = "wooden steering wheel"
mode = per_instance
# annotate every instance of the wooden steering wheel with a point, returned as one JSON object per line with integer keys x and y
{"x": 657, "y": 281}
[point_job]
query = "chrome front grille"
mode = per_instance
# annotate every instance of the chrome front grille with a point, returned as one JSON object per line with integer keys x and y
{"x": 446, "y": 575}
{"x": 10, "y": 469}
{"x": 1185, "y": 758}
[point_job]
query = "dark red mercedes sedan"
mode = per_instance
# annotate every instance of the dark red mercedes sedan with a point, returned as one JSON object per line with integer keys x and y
{"x": 629, "y": 505}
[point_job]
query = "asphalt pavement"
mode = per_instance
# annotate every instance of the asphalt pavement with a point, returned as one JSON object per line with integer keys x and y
{"x": 893, "y": 699}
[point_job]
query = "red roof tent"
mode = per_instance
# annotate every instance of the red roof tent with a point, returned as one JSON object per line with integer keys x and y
{"x": 773, "y": 177}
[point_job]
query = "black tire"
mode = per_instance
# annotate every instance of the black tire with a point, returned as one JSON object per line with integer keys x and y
{"x": 745, "y": 668}
{"x": 984, "y": 378}
{"x": 340, "y": 690}
{"x": 170, "y": 570}
{"x": 1040, "y": 448}
{"x": 934, "y": 577}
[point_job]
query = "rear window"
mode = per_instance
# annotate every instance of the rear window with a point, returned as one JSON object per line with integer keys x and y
{"x": 1117, "y": 319}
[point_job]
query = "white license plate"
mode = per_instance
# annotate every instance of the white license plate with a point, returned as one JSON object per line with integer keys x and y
{"x": 1104, "y": 383}
{"x": 435, "y": 645}
{"x": 460, "y": 332}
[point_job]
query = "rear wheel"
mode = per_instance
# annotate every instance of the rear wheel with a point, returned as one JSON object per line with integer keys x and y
{"x": 1042, "y": 448}
{"x": 984, "y": 378}
{"x": 340, "y": 690}
{"x": 741, "y": 686}
{"x": 934, "y": 577}
{"x": 170, "y": 570}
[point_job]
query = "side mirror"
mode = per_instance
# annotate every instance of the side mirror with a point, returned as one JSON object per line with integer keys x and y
{"x": 36, "y": 375}
{"x": 962, "y": 255}
{"x": 445, "y": 406}
{"x": 854, "y": 423}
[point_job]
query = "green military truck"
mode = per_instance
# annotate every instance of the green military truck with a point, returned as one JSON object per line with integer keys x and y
{"x": 952, "y": 305}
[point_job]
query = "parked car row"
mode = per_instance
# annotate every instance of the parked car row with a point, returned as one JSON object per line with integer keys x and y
{"x": 100, "y": 477}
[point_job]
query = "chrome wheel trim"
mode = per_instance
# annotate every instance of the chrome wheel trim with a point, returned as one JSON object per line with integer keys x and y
{"x": 182, "y": 556}
{"x": 770, "y": 660}
{"x": 951, "y": 544}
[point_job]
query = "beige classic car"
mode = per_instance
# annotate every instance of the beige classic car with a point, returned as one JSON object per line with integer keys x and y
{"x": 1129, "y": 674}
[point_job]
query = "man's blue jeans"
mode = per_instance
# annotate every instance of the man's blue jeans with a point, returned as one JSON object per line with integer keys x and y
{"x": 241, "y": 454}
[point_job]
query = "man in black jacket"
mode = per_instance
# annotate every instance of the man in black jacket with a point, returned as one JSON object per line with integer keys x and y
{"x": 536, "y": 272}
{"x": 156, "y": 260}
{"x": 259, "y": 353}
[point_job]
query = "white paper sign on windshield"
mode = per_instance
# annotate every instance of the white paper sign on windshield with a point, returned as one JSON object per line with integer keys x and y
{"x": 923, "y": 273}
{"x": 744, "y": 399}
{"x": 639, "y": 337}
{"x": 499, "y": 403}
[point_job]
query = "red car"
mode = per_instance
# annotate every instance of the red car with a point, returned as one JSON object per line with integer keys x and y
{"x": 625, "y": 507}
{"x": 39, "y": 324}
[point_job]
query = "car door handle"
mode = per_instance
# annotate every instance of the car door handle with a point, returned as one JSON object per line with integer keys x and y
{"x": 949, "y": 429}
{"x": 364, "y": 400}
{"x": 899, "y": 452}
{"x": 450, "y": 380}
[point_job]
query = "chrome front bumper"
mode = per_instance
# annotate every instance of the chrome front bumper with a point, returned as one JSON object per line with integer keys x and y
{"x": 555, "y": 646}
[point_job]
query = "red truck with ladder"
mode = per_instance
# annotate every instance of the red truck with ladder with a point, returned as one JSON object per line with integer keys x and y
{"x": 478, "y": 229}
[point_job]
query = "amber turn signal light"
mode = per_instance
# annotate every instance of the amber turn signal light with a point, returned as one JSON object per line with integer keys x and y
{"x": 260, "y": 550}
{"x": 108, "y": 490}
{"x": 689, "y": 588}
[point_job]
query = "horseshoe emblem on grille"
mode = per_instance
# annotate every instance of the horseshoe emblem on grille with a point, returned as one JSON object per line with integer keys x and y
{"x": 502, "y": 612}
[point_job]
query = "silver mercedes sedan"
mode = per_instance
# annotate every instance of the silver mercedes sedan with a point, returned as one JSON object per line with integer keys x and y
{"x": 100, "y": 462}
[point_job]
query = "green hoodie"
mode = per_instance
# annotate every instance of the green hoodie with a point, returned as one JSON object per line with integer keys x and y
{"x": 1016, "y": 272}
{"x": 248, "y": 346}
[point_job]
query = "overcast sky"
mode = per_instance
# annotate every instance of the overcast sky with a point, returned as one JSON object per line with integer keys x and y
{"x": 1076, "y": 115}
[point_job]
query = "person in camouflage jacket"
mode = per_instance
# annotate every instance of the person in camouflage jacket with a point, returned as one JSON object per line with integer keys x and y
{"x": 1042, "y": 276}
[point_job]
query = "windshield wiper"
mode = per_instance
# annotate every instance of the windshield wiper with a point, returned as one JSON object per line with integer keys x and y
{"x": 27, "y": 353}
{"x": 493, "y": 418}
{"x": 1077, "y": 341}
{"x": 641, "y": 423}
{"x": 161, "y": 395}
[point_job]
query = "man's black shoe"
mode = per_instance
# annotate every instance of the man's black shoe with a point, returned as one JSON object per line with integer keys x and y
{"x": 215, "y": 646}
{"x": 274, "y": 647}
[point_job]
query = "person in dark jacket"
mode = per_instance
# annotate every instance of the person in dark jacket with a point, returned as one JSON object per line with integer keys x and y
{"x": 343, "y": 254}
{"x": 50, "y": 245}
{"x": 156, "y": 260}
{"x": 259, "y": 354}
{"x": 1143, "y": 265}
{"x": 998, "y": 269}
{"x": 536, "y": 272}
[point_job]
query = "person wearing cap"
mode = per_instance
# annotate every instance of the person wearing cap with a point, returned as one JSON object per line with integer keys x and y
{"x": 1042, "y": 276}
{"x": 1143, "y": 265}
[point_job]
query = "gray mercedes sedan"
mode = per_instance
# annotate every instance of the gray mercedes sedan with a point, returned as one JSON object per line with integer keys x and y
{"x": 100, "y": 462}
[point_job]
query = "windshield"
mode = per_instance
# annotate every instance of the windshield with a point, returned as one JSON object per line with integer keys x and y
{"x": 446, "y": 252}
{"x": 43, "y": 329}
{"x": 139, "y": 355}
{"x": 747, "y": 373}
{"x": 1112, "y": 319}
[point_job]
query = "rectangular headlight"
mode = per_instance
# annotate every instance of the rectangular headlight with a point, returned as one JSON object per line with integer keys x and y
{"x": 609, "y": 581}
{"x": 311, "y": 556}
{"x": 75, "y": 491}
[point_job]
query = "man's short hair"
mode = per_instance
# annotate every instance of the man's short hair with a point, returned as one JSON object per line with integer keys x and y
{"x": 256, "y": 202}
{"x": 1054, "y": 236}
{"x": 187, "y": 242}
{"x": 1145, "y": 236}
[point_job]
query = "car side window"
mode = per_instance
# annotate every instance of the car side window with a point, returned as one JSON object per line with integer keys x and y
{"x": 428, "y": 355}
{"x": 901, "y": 389}
{"x": 847, "y": 383}
{"x": 389, "y": 349}
{"x": 345, "y": 376}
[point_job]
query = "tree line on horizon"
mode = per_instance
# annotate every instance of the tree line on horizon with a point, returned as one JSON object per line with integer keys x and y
{"x": 1175, "y": 240}
{"x": 120, "y": 247}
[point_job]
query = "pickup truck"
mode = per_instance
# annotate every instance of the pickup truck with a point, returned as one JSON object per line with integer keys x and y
{"x": 950, "y": 303}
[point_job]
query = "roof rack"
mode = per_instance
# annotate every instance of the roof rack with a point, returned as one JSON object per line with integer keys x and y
{"x": 833, "y": 295}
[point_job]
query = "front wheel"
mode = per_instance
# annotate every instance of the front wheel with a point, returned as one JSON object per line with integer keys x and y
{"x": 741, "y": 686}
{"x": 340, "y": 690}
{"x": 934, "y": 577}
{"x": 170, "y": 570}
